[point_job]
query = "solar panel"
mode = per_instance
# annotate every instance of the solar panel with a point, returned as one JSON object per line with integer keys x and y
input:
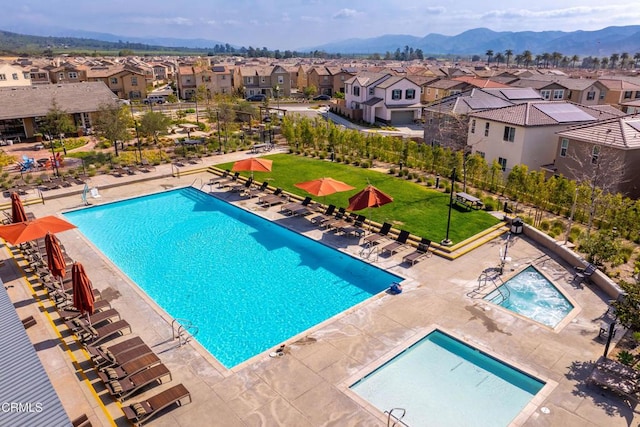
{"x": 635, "y": 125}
{"x": 485, "y": 103}
{"x": 520, "y": 93}
{"x": 564, "y": 113}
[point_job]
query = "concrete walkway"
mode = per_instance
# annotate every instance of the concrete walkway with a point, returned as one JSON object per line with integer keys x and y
{"x": 309, "y": 385}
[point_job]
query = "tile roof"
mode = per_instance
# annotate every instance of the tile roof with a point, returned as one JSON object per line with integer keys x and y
{"x": 623, "y": 132}
{"x": 36, "y": 101}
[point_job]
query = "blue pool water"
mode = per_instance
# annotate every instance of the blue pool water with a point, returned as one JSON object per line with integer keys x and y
{"x": 441, "y": 381}
{"x": 533, "y": 296}
{"x": 248, "y": 284}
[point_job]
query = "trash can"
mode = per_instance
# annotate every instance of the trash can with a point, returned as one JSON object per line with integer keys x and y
{"x": 516, "y": 226}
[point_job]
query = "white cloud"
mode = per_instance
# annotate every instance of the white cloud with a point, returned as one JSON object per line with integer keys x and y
{"x": 307, "y": 18}
{"x": 553, "y": 13}
{"x": 438, "y": 10}
{"x": 345, "y": 14}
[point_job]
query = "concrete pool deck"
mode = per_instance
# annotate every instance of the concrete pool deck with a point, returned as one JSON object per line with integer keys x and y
{"x": 307, "y": 387}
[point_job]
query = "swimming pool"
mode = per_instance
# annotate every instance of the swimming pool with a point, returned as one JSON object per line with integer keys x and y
{"x": 530, "y": 294}
{"x": 247, "y": 283}
{"x": 441, "y": 381}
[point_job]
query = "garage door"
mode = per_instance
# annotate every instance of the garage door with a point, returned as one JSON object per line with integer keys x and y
{"x": 401, "y": 117}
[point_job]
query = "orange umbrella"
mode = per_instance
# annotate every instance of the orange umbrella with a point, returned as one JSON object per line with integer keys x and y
{"x": 253, "y": 164}
{"x": 83, "y": 298}
{"x": 55, "y": 257}
{"x": 324, "y": 186}
{"x": 17, "y": 209}
{"x": 369, "y": 197}
{"x": 21, "y": 232}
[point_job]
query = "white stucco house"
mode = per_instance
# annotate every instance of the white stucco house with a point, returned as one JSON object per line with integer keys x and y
{"x": 13, "y": 75}
{"x": 526, "y": 134}
{"x": 384, "y": 98}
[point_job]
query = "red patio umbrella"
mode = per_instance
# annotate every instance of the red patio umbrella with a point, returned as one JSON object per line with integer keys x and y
{"x": 30, "y": 230}
{"x": 253, "y": 164}
{"x": 324, "y": 186}
{"x": 17, "y": 209}
{"x": 83, "y": 298}
{"x": 369, "y": 197}
{"x": 55, "y": 257}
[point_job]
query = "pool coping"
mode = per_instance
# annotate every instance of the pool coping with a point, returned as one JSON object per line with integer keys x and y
{"x": 519, "y": 420}
{"x": 577, "y": 308}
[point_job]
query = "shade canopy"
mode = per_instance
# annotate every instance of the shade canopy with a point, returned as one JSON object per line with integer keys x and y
{"x": 17, "y": 209}
{"x": 324, "y": 186}
{"x": 31, "y": 230}
{"x": 83, "y": 298}
{"x": 369, "y": 197}
{"x": 253, "y": 164}
{"x": 55, "y": 257}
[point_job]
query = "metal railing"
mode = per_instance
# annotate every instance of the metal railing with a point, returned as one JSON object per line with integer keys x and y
{"x": 183, "y": 330}
{"x": 393, "y": 420}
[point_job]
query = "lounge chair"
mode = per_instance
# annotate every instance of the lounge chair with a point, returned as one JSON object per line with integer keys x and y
{"x": 615, "y": 367}
{"x": 229, "y": 181}
{"x": 123, "y": 357}
{"x": 584, "y": 273}
{"x": 397, "y": 245}
{"x": 241, "y": 186}
{"x": 80, "y": 323}
{"x": 28, "y": 322}
{"x": 125, "y": 387}
{"x": 339, "y": 221}
{"x": 81, "y": 421}
{"x": 91, "y": 335}
{"x": 254, "y": 191}
{"x": 356, "y": 229}
{"x": 290, "y": 208}
{"x": 273, "y": 199}
{"x": 375, "y": 238}
{"x": 421, "y": 252}
{"x": 112, "y": 352}
{"x": 324, "y": 217}
{"x": 141, "y": 412}
{"x": 622, "y": 386}
{"x": 140, "y": 364}
{"x": 70, "y": 312}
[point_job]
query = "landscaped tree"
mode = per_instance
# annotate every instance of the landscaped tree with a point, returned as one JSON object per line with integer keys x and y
{"x": 574, "y": 59}
{"x": 112, "y": 122}
{"x": 309, "y": 91}
{"x": 628, "y": 307}
{"x": 489, "y": 54}
{"x": 527, "y": 57}
{"x": 154, "y": 123}
{"x": 57, "y": 122}
{"x": 508, "y": 54}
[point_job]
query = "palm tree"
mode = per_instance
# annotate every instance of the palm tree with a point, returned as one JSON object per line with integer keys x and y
{"x": 624, "y": 57}
{"x": 518, "y": 58}
{"x": 489, "y": 54}
{"x": 508, "y": 53}
{"x": 636, "y": 59}
{"x": 596, "y": 63}
{"x": 556, "y": 57}
{"x": 538, "y": 58}
{"x": 574, "y": 59}
{"x": 613, "y": 59}
{"x": 547, "y": 59}
{"x": 527, "y": 57}
{"x": 499, "y": 58}
{"x": 604, "y": 62}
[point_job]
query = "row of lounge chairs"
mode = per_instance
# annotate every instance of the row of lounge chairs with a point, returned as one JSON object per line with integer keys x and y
{"x": 391, "y": 247}
{"x": 126, "y": 367}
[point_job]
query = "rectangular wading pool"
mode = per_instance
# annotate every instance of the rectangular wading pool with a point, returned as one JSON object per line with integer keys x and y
{"x": 247, "y": 283}
{"x": 441, "y": 381}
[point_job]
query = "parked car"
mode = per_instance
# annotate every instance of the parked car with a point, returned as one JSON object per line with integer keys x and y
{"x": 257, "y": 97}
{"x": 154, "y": 99}
{"x": 322, "y": 98}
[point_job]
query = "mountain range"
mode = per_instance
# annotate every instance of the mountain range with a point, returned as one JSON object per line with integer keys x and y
{"x": 477, "y": 41}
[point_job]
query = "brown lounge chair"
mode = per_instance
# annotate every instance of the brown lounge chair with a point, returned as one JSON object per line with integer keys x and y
{"x": 141, "y": 412}
{"x": 291, "y": 208}
{"x": 130, "y": 368}
{"x": 273, "y": 199}
{"x": 94, "y": 336}
{"x": 70, "y": 312}
{"x": 375, "y": 238}
{"x": 110, "y": 359}
{"x": 81, "y": 421}
{"x": 125, "y": 387}
{"x": 79, "y": 323}
{"x": 422, "y": 251}
{"x": 28, "y": 322}
{"x": 100, "y": 352}
{"x": 625, "y": 387}
{"x": 398, "y": 244}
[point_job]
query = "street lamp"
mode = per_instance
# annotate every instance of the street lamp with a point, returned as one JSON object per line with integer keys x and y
{"x": 278, "y": 95}
{"x": 219, "y": 136}
{"x": 135, "y": 123}
{"x": 53, "y": 155}
{"x": 447, "y": 241}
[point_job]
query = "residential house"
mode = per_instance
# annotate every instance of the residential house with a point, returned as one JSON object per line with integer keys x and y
{"x": 617, "y": 92}
{"x": 301, "y": 81}
{"x": 222, "y": 79}
{"x": 605, "y": 154}
{"x": 186, "y": 79}
{"x": 22, "y": 108}
{"x": 383, "y": 97}
{"x": 13, "y": 75}
{"x": 525, "y": 134}
{"x": 550, "y": 90}
{"x": 67, "y": 72}
{"x": 321, "y": 78}
{"x": 273, "y": 81}
{"x": 339, "y": 76}
{"x": 125, "y": 82}
{"x": 583, "y": 91}
{"x": 441, "y": 88}
{"x": 38, "y": 75}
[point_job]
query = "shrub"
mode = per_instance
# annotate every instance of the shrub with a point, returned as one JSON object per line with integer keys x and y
{"x": 490, "y": 204}
{"x": 190, "y": 110}
{"x": 545, "y": 225}
{"x": 625, "y": 357}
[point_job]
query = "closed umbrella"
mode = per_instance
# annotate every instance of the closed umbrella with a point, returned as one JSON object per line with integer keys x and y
{"x": 324, "y": 186}
{"x": 253, "y": 164}
{"x": 17, "y": 209}
{"x": 83, "y": 298}
{"x": 369, "y": 197}
{"x": 55, "y": 257}
{"x": 31, "y": 230}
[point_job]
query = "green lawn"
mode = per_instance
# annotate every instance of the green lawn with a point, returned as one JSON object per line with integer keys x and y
{"x": 415, "y": 208}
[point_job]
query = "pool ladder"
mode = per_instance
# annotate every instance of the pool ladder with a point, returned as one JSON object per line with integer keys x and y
{"x": 183, "y": 330}
{"x": 503, "y": 291}
{"x": 393, "y": 420}
{"x": 368, "y": 251}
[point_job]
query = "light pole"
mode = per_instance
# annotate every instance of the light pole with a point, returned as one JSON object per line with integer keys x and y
{"x": 135, "y": 123}
{"x": 219, "y": 136}
{"x": 53, "y": 155}
{"x": 278, "y": 96}
{"x": 447, "y": 241}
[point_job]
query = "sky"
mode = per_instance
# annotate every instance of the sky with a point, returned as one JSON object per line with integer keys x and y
{"x": 297, "y": 24}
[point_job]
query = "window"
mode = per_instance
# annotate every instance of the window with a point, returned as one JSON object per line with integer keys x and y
{"x": 281, "y": 79}
{"x": 503, "y": 163}
{"x": 60, "y": 76}
{"x": 73, "y": 75}
{"x": 248, "y": 80}
{"x": 627, "y": 94}
{"x": 595, "y": 153}
{"x": 26, "y": 75}
{"x": 564, "y": 145}
{"x": 546, "y": 94}
{"x": 224, "y": 77}
{"x": 396, "y": 94}
{"x": 509, "y": 134}
{"x": 263, "y": 79}
{"x": 325, "y": 78}
{"x": 114, "y": 80}
{"x": 134, "y": 80}
{"x": 480, "y": 153}
{"x": 602, "y": 94}
{"x": 15, "y": 76}
{"x": 558, "y": 93}
{"x": 341, "y": 78}
{"x": 473, "y": 126}
{"x": 3, "y": 77}
{"x": 486, "y": 129}
{"x": 410, "y": 94}
{"x": 591, "y": 96}
{"x": 372, "y": 91}
{"x": 638, "y": 94}
{"x": 356, "y": 90}
{"x": 428, "y": 91}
